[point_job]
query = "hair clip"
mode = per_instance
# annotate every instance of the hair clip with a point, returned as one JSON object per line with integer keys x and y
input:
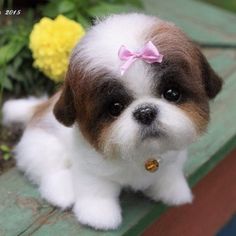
{"x": 149, "y": 53}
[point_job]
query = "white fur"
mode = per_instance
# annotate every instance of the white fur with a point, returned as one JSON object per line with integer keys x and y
{"x": 178, "y": 132}
{"x": 104, "y": 41}
{"x": 20, "y": 110}
{"x": 69, "y": 171}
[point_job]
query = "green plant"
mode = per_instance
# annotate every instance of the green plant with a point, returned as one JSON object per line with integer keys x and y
{"x": 6, "y": 152}
{"x": 17, "y": 75}
{"x": 85, "y": 11}
{"x": 12, "y": 41}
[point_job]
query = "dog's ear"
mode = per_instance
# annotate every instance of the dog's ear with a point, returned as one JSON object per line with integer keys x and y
{"x": 212, "y": 82}
{"x": 64, "y": 109}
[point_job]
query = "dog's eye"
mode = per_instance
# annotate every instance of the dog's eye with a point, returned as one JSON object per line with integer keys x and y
{"x": 116, "y": 108}
{"x": 172, "y": 94}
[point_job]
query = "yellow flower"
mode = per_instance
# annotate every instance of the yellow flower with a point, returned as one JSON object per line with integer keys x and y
{"x": 51, "y": 42}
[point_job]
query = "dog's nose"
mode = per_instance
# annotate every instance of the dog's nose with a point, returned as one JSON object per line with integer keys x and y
{"x": 145, "y": 114}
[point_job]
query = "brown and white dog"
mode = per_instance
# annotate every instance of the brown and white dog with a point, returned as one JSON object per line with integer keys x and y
{"x": 92, "y": 138}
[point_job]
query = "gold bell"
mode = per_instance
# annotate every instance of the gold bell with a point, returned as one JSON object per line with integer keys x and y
{"x": 152, "y": 165}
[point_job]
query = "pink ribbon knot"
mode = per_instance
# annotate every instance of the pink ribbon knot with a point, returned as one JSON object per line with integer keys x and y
{"x": 148, "y": 53}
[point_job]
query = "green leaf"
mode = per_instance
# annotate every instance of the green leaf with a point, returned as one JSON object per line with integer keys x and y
{"x": 50, "y": 10}
{"x": 136, "y": 3}
{"x": 103, "y": 9}
{"x": 2, "y": 74}
{"x": 83, "y": 21}
{"x": 4, "y": 148}
{"x": 17, "y": 76}
{"x": 10, "y": 50}
{"x": 70, "y": 15}
{"x": 12, "y": 73}
{"x": 8, "y": 84}
{"x": 83, "y": 4}
{"x": 6, "y": 156}
{"x": 66, "y": 6}
{"x": 17, "y": 62}
{"x": 3, "y": 77}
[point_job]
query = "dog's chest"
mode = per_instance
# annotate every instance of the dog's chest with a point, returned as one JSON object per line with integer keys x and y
{"x": 135, "y": 177}
{"x": 126, "y": 173}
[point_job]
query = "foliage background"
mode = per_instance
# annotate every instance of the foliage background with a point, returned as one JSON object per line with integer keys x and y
{"x": 18, "y": 77}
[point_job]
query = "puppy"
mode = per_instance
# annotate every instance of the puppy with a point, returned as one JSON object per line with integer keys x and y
{"x": 100, "y": 131}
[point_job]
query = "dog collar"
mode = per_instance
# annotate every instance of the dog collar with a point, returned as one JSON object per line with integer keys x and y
{"x": 152, "y": 165}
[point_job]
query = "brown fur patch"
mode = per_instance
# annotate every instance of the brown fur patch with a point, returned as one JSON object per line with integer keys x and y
{"x": 95, "y": 96}
{"x": 87, "y": 102}
{"x": 41, "y": 109}
{"x": 173, "y": 43}
{"x": 185, "y": 66}
{"x": 198, "y": 114}
{"x": 86, "y": 96}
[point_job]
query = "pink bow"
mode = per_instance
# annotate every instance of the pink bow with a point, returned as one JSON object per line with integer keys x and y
{"x": 148, "y": 53}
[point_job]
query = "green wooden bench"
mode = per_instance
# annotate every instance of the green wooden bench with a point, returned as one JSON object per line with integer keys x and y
{"x": 23, "y": 212}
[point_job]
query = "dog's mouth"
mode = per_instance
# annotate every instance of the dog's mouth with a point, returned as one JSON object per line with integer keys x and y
{"x": 151, "y": 133}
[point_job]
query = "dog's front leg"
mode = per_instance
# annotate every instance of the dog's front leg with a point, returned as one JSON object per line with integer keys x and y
{"x": 170, "y": 187}
{"x": 97, "y": 202}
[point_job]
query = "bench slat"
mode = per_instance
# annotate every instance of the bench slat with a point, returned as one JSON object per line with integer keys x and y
{"x": 20, "y": 204}
{"x": 204, "y": 23}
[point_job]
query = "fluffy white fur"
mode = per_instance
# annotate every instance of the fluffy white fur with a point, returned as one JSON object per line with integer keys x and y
{"x": 20, "y": 110}
{"x": 71, "y": 173}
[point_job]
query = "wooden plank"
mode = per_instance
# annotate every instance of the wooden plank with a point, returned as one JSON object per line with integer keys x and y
{"x": 134, "y": 207}
{"x": 20, "y": 204}
{"x": 223, "y": 62}
{"x": 202, "y": 22}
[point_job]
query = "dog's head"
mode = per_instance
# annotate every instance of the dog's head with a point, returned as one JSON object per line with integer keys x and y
{"x": 152, "y": 108}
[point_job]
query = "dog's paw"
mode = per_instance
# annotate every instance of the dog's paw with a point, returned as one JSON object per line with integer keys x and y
{"x": 57, "y": 189}
{"x": 98, "y": 213}
{"x": 177, "y": 193}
